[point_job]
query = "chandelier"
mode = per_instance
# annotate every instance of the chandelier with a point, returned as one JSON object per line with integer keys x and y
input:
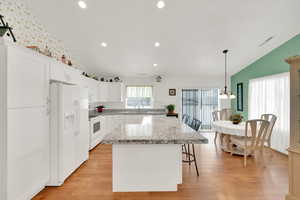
{"x": 225, "y": 93}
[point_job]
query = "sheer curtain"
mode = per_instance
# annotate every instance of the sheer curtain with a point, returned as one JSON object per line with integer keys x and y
{"x": 139, "y": 91}
{"x": 271, "y": 95}
{"x": 139, "y": 97}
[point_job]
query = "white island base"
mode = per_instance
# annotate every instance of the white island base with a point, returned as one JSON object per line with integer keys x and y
{"x": 146, "y": 167}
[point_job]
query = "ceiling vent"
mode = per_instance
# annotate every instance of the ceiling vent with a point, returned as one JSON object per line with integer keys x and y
{"x": 158, "y": 79}
{"x": 266, "y": 41}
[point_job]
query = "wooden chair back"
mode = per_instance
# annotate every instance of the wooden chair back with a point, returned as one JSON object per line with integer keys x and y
{"x": 216, "y": 115}
{"x": 271, "y": 119}
{"x": 257, "y": 131}
{"x": 225, "y": 114}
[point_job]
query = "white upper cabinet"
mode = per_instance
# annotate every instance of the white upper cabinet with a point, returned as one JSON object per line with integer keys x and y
{"x": 115, "y": 92}
{"x": 64, "y": 73}
{"x": 27, "y": 78}
{"x": 93, "y": 88}
{"x": 103, "y": 91}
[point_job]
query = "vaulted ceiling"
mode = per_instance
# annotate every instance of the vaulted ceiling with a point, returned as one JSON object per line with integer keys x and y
{"x": 191, "y": 33}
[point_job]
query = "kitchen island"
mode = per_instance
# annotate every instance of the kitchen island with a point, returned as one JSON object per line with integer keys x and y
{"x": 147, "y": 152}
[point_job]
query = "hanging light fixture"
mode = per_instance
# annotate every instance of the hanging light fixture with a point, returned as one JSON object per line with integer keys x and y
{"x": 225, "y": 94}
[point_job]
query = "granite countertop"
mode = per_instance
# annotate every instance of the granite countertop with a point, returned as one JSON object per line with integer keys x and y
{"x": 147, "y": 129}
{"x": 93, "y": 113}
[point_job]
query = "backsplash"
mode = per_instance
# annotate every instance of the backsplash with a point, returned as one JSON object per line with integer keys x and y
{"x": 29, "y": 31}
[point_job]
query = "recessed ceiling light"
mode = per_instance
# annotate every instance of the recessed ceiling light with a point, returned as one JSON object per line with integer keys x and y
{"x": 160, "y": 4}
{"x": 104, "y": 44}
{"x": 155, "y": 65}
{"x": 82, "y": 4}
{"x": 157, "y": 44}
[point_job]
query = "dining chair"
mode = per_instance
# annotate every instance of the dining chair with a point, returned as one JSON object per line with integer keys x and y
{"x": 216, "y": 116}
{"x": 225, "y": 114}
{"x": 197, "y": 124}
{"x": 185, "y": 118}
{"x": 253, "y": 141}
{"x": 272, "y": 119}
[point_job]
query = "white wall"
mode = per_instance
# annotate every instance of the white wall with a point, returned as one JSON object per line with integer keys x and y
{"x": 161, "y": 90}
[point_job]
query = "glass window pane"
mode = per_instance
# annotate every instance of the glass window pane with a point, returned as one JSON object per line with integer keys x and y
{"x": 139, "y": 96}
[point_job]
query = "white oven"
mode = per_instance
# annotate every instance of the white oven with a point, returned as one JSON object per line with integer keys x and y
{"x": 96, "y": 131}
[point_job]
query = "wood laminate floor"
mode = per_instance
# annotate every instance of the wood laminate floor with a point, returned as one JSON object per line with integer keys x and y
{"x": 222, "y": 177}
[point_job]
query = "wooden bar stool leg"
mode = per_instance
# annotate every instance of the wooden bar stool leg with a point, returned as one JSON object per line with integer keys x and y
{"x": 185, "y": 150}
{"x": 195, "y": 160}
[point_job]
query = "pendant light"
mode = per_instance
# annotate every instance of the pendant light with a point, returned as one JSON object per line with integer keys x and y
{"x": 225, "y": 94}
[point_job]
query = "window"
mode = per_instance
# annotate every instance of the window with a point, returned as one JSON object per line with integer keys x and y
{"x": 271, "y": 95}
{"x": 199, "y": 104}
{"x": 139, "y": 96}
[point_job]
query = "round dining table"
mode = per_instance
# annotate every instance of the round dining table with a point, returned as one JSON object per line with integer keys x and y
{"x": 228, "y": 129}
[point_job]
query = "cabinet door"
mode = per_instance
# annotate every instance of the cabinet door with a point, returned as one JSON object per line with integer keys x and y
{"x": 27, "y": 152}
{"x": 103, "y": 92}
{"x": 93, "y": 90}
{"x": 27, "y": 79}
{"x": 114, "y": 92}
{"x": 72, "y": 75}
{"x": 57, "y": 71}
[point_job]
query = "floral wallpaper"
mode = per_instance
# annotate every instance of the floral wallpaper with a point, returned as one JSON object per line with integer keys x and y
{"x": 29, "y": 31}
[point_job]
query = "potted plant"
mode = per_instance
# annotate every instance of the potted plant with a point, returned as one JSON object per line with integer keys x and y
{"x": 171, "y": 108}
{"x": 236, "y": 118}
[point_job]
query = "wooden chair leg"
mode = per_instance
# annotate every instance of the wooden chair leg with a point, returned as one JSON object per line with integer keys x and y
{"x": 270, "y": 149}
{"x": 216, "y": 136}
{"x": 195, "y": 160}
{"x": 189, "y": 154}
{"x": 262, "y": 158}
{"x": 231, "y": 149}
{"x": 221, "y": 138}
{"x": 245, "y": 158}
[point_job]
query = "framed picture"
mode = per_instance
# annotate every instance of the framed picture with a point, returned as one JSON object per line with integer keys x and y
{"x": 240, "y": 106}
{"x": 172, "y": 92}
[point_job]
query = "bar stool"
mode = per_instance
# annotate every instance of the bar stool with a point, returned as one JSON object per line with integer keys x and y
{"x": 191, "y": 156}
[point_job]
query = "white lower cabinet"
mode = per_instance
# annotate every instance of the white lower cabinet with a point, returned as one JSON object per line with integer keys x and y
{"x": 101, "y": 126}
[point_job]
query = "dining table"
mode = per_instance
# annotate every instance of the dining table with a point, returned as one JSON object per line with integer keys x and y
{"x": 227, "y": 129}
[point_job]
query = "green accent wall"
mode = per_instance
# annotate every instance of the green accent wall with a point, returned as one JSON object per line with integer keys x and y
{"x": 272, "y": 63}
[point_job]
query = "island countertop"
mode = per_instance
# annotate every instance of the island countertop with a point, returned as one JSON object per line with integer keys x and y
{"x": 152, "y": 129}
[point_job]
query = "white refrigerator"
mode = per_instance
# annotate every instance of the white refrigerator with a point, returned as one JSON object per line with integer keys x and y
{"x": 69, "y": 131}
